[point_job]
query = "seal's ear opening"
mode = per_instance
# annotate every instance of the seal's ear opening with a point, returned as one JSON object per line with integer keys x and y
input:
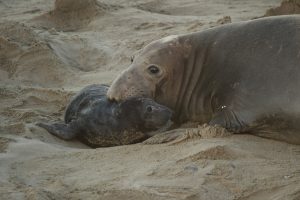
{"x": 132, "y": 58}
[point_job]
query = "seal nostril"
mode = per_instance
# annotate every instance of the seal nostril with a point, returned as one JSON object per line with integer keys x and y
{"x": 113, "y": 100}
{"x": 149, "y": 109}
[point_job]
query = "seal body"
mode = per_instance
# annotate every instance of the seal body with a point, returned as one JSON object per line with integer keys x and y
{"x": 239, "y": 75}
{"x": 94, "y": 120}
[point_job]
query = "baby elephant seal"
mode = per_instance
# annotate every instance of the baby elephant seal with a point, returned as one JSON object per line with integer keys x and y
{"x": 97, "y": 122}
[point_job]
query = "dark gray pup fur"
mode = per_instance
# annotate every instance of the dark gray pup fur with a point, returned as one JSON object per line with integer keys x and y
{"x": 97, "y": 122}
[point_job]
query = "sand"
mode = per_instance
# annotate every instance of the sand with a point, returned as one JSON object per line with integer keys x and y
{"x": 286, "y": 7}
{"x": 51, "y": 49}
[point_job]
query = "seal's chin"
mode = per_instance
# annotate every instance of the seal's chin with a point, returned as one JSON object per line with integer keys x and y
{"x": 161, "y": 129}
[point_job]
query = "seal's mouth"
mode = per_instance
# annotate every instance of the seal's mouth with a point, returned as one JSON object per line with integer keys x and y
{"x": 112, "y": 100}
{"x": 164, "y": 128}
{"x": 122, "y": 94}
{"x": 111, "y": 97}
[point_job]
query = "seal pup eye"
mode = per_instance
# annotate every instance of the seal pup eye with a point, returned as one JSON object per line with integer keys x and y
{"x": 153, "y": 69}
{"x": 149, "y": 109}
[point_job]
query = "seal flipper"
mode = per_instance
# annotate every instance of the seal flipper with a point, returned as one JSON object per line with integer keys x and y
{"x": 231, "y": 120}
{"x": 278, "y": 126}
{"x": 61, "y": 130}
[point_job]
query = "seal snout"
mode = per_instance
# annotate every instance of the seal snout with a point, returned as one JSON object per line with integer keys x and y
{"x": 161, "y": 113}
{"x": 112, "y": 95}
{"x": 116, "y": 90}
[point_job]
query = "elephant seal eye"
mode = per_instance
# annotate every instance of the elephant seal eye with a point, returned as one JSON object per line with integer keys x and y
{"x": 153, "y": 69}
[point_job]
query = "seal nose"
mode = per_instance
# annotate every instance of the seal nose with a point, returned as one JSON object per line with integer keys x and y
{"x": 112, "y": 94}
{"x": 118, "y": 87}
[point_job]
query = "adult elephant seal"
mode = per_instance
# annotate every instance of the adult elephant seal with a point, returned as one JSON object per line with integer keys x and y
{"x": 243, "y": 76}
{"x": 97, "y": 122}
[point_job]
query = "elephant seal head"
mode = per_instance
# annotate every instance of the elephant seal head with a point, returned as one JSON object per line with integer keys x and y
{"x": 154, "y": 73}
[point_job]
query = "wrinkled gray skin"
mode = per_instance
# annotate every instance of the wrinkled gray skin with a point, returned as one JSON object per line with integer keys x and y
{"x": 243, "y": 76}
{"x": 94, "y": 120}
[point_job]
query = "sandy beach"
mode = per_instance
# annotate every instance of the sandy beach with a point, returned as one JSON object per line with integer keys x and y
{"x": 49, "y": 50}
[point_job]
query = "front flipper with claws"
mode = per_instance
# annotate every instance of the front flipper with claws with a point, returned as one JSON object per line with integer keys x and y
{"x": 165, "y": 137}
{"x": 233, "y": 121}
{"x": 183, "y": 134}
